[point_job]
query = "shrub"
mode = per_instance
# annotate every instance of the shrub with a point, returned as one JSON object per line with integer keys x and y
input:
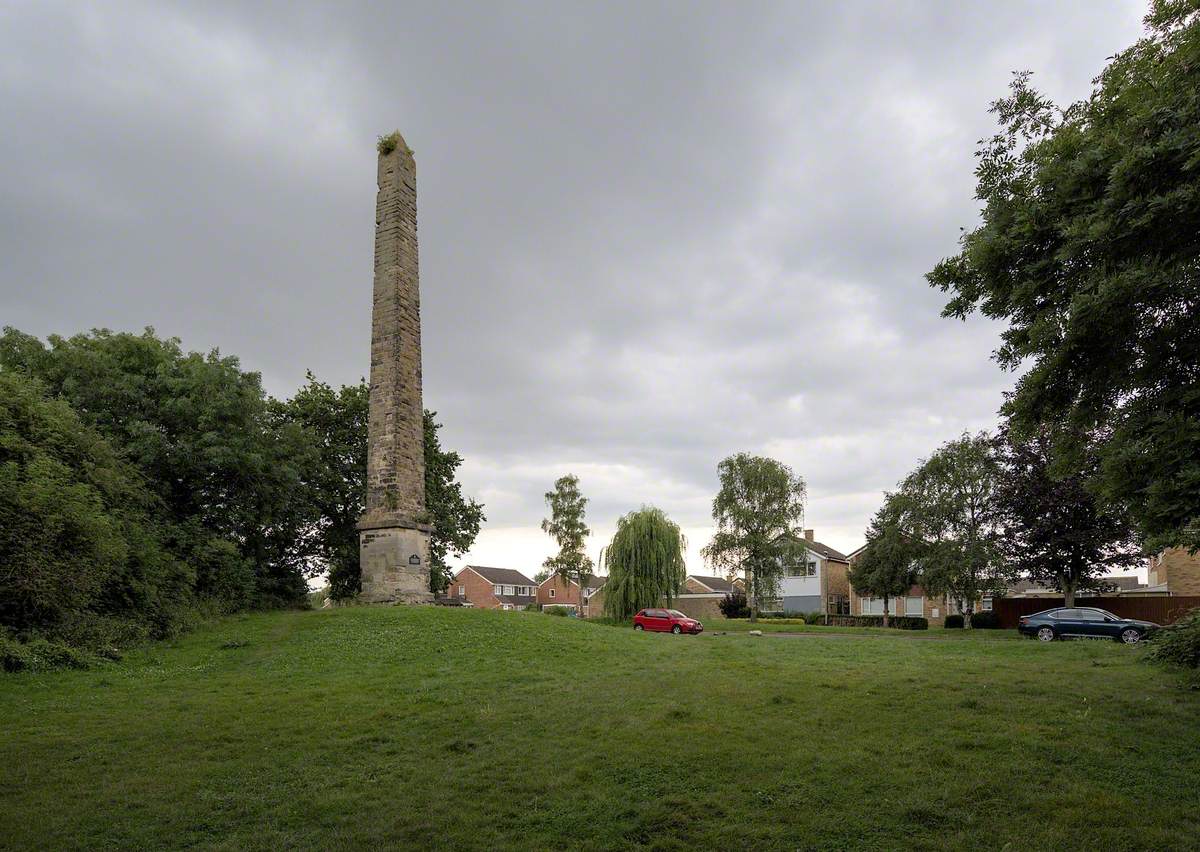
{"x": 899, "y": 622}
{"x": 814, "y": 618}
{"x": 954, "y": 622}
{"x": 734, "y": 605}
{"x": 560, "y": 611}
{"x": 39, "y": 655}
{"x": 985, "y": 620}
{"x": 1178, "y": 643}
{"x": 388, "y": 144}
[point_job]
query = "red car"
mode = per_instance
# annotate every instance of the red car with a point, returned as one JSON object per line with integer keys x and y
{"x": 666, "y": 621}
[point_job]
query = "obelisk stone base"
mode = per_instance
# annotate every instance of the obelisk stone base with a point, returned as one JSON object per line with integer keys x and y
{"x": 395, "y": 563}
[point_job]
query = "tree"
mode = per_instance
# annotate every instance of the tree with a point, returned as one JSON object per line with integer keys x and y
{"x": 82, "y": 542}
{"x": 1089, "y": 248}
{"x": 455, "y": 519}
{"x": 566, "y": 526}
{"x": 947, "y": 505}
{"x": 644, "y": 563}
{"x": 198, "y": 430}
{"x": 758, "y": 511}
{"x": 541, "y": 575}
{"x": 889, "y": 566}
{"x": 1053, "y": 527}
{"x": 335, "y": 423}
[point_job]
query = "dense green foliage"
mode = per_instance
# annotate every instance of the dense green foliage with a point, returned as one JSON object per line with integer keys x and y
{"x": 889, "y": 566}
{"x": 1178, "y": 643}
{"x": 1053, "y": 528}
{"x": 81, "y": 553}
{"x": 142, "y": 487}
{"x": 947, "y": 509}
{"x": 336, "y": 423}
{"x": 644, "y": 563}
{"x": 758, "y": 512}
{"x": 346, "y": 728}
{"x": 1089, "y": 248}
{"x": 567, "y": 527}
{"x": 953, "y": 622}
{"x": 734, "y": 605}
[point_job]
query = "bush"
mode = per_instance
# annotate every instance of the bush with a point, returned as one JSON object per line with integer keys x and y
{"x": 899, "y": 622}
{"x": 39, "y": 655}
{"x": 1179, "y": 643}
{"x": 814, "y": 618}
{"x": 734, "y": 605}
{"x": 985, "y": 621}
{"x": 954, "y": 622}
{"x": 560, "y": 611}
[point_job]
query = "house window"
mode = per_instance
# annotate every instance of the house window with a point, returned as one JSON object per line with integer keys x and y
{"x": 914, "y": 606}
{"x": 508, "y": 590}
{"x": 838, "y": 605}
{"x": 552, "y": 593}
{"x": 462, "y": 591}
{"x": 812, "y": 568}
{"x": 873, "y": 606}
{"x": 498, "y": 589}
{"x": 986, "y": 603}
{"x": 795, "y": 570}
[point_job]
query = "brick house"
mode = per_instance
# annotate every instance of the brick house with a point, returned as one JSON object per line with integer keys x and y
{"x": 917, "y": 601}
{"x": 555, "y": 591}
{"x": 818, "y": 581}
{"x": 493, "y": 588}
{"x": 1174, "y": 571}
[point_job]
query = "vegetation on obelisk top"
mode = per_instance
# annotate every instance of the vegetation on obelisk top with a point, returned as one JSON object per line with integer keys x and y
{"x": 758, "y": 511}
{"x": 569, "y": 531}
{"x": 644, "y": 563}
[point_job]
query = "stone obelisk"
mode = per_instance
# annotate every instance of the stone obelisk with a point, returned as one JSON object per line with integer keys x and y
{"x": 394, "y": 532}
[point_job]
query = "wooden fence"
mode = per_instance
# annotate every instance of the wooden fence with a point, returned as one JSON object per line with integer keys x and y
{"x": 1162, "y": 609}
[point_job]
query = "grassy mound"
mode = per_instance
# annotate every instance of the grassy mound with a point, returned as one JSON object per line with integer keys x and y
{"x": 455, "y": 728}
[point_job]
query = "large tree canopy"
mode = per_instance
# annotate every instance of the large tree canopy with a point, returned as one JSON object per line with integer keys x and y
{"x": 1053, "y": 528}
{"x": 758, "y": 513}
{"x": 890, "y": 563}
{"x": 567, "y": 527}
{"x": 948, "y": 505}
{"x": 1090, "y": 249}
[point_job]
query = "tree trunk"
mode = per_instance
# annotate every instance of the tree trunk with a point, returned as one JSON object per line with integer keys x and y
{"x": 885, "y": 610}
{"x": 1068, "y": 588}
{"x": 752, "y": 587}
{"x": 967, "y": 616}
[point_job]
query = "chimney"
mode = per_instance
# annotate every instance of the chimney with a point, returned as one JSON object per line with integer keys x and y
{"x": 808, "y": 535}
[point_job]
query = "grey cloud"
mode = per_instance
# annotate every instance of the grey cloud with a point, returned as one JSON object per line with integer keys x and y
{"x": 651, "y": 233}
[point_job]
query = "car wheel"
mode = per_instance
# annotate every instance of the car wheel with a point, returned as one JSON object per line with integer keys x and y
{"x": 638, "y": 627}
{"x": 1131, "y": 636}
{"x": 1045, "y": 634}
{"x": 676, "y": 629}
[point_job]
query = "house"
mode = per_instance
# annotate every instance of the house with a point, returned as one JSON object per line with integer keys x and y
{"x": 697, "y": 584}
{"x": 818, "y": 581}
{"x": 493, "y": 588}
{"x": 1174, "y": 571}
{"x": 915, "y": 602}
{"x": 701, "y": 596}
{"x": 555, "y": 591}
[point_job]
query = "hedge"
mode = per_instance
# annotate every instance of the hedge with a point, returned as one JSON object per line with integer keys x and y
{"x": 900, "y": 622}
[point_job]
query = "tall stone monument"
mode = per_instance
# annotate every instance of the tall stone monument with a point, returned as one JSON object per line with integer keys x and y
{"x": 393, "y": 532}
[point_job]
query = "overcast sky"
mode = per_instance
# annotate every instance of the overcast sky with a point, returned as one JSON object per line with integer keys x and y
{"x": 652, "y": 234}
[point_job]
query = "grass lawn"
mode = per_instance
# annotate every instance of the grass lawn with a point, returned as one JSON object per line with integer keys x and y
{"x": 429, "y": 727}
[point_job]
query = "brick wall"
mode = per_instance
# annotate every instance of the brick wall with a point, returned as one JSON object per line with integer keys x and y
{"x": 1177, "y": 568}
{"x": 702, "y": 609}
{"x": 476, "y": 589}
{"x": 564, "y": 593}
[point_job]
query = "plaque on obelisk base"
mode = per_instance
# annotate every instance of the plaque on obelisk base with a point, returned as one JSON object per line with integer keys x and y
{"x": 393, "y": 532}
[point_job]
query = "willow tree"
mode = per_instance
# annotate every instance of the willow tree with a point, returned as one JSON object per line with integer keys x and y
{"x": 644, "y": 562}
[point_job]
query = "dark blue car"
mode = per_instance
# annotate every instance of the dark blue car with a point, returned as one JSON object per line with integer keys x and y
{"x": 1084, "y": 622}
